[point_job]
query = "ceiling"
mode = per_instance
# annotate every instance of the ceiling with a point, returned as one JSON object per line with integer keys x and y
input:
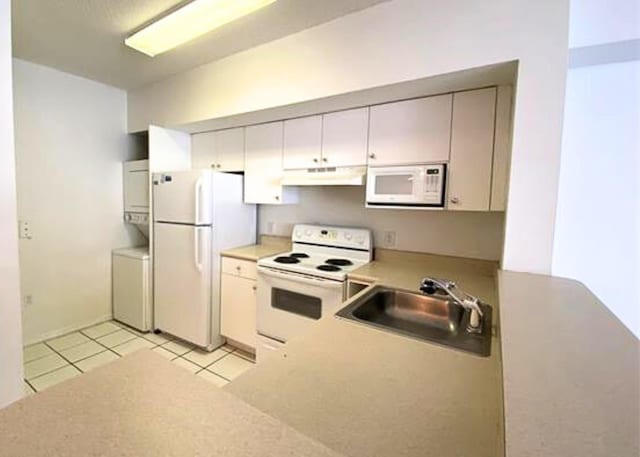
{"x": 86, "y": 37}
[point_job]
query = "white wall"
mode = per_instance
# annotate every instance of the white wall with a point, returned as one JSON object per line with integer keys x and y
{"x": 597, "y": 238}
{"x": 70, "y": 142}
{"x": 397, "y": 41}
{"x": 10, "y": 327}
{"x": 598, "y": 227}
{"x": 461, "y": 234}
{"x": 595, "y": 22}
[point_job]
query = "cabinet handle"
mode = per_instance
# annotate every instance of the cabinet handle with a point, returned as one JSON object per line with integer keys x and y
{"x": 455, "y": 200}
{"x": 254, "y": 287}
{"x": 213, "y": 165}
{"x": 277, "y": 197}
{"x": 372, "y": 156}
{"x": 218, "y": 166}
{"x": 238, "y": 268}
{"x": 324, "y": 159}
{"x": 315, "y": 160}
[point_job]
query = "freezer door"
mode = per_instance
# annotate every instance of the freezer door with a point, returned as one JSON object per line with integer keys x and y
{"x": 182, "y": 197}
{"x": 182, "y": 281}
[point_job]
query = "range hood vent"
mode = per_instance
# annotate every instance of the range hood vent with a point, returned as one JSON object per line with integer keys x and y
{"x": 326, "y": 176}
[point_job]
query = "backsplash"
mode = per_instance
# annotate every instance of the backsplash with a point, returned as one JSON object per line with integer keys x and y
{"x": 463, "y": 234}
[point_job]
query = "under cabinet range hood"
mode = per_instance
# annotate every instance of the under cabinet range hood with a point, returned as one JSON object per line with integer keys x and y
{"x": 326, "y": 176}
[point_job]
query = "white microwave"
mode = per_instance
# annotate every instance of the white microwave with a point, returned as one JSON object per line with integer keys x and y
{"x": 414, "y": 186}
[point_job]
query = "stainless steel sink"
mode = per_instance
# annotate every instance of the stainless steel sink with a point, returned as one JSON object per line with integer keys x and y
{"x": 430, "y": 318}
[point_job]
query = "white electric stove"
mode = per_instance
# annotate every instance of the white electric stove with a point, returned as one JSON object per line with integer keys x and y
{"x": 297, "y": 288}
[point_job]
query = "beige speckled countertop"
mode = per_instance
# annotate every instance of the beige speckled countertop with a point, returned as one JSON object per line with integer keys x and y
{"x": 571, "y": 371}
{"x": 406, "y": 269}
{"x": 267, "y": 246}
{"x": 143, "y": 405}
{"x": 253, "y": 252}
{"x": 369, "y": 393}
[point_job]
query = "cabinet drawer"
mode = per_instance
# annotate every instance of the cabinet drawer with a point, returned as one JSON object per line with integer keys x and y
{"x": 237, "y": 267}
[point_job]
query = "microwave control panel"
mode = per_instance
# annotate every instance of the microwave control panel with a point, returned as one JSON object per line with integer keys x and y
{"x": 432, "y": 178}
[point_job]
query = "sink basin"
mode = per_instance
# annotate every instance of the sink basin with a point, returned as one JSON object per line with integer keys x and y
{"x": 431, "y": 318}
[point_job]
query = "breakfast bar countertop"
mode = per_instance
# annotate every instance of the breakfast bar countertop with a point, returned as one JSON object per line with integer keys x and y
{"x": 143, "y": 405}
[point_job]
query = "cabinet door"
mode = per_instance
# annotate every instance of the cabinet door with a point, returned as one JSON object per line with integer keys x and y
{"x": 136, "y": 186}
{"x": 229, "y": 146}
{"x": 238, "y": 309}
{"x": 302, "y": 142}
{"x": 501, "y": 149}
{"x": 472, "y": 150}
{"x": 410, "y": 132}
{"x": 203, "y": 150}
{"x": 263, "y": 163}
{"x": 344, "y": 138}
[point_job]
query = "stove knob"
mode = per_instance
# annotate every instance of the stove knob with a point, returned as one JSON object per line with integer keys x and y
{"x": 360, "y": 240}
{"x": 307, "y": 232}
{"x": 298, "y": 234}
{"x": 348, "y": 236}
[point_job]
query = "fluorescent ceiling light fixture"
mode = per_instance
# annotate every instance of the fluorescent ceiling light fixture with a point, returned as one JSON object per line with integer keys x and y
{"x": 189, "y": 22}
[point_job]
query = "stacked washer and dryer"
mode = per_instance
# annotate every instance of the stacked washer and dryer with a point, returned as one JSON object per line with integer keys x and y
{"x": 131, "y": 275}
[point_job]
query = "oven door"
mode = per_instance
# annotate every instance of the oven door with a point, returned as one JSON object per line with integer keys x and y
{"x": 288, "y": 303}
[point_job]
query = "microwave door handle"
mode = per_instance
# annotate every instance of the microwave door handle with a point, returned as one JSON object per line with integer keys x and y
{"x": 299, "y": 278}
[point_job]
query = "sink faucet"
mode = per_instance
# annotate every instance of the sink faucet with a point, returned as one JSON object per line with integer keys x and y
{"x": 430, "y": 286}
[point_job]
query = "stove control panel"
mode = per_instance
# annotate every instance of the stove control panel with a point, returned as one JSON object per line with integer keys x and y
{"x": 344, "y": 237}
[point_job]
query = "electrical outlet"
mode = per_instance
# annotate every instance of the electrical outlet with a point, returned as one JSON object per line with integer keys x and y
{"x": 27, "y": 300}
{"x": 24, "y": 230}
{"x": 389, "y": 239}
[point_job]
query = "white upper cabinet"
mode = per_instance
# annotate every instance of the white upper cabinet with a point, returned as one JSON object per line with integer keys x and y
{"x": 501, "y": 149}
{"x": 203, "y": 150}
{"x": 229, "y": 146}
{"x": 336, "y": 139}
{"x": 302, "y": 142}
{"x": 136, "y": 186}
{"x": 410, "y": 132}
{"x": 222, "y": 150}
{"x": 263, "y": 165}
{"x": 472, "y": 140}
{"x": 344, "y": 138}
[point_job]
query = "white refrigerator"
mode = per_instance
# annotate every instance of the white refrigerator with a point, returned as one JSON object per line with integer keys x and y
{"x": 196, "y": 214}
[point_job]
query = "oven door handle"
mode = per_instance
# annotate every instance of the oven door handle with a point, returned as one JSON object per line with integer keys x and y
{"x": 304, "y": 279}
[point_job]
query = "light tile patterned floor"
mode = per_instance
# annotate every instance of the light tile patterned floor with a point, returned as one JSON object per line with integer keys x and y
{"x": 64, "y": 357}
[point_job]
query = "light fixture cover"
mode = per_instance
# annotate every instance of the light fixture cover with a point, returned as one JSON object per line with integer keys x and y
{"x": 190, "y": 21}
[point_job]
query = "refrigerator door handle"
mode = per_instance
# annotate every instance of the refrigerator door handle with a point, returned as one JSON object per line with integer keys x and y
{"x": 196, "y": 249}
{"x": 198, "y": 189}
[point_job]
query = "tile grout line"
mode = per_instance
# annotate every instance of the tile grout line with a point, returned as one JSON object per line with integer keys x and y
{"x": 211, "y": 372}
{"x": 225, "y": 348}
{"x": 81, "y": 331}
{"x": 55, "y": 351}
{"x": 30, "y": 385}
{"x": 212, "y": 363}
{"x": 51, "y": 371}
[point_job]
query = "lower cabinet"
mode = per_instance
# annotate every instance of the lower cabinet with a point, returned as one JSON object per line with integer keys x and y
{"x": 238, "y": 304}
